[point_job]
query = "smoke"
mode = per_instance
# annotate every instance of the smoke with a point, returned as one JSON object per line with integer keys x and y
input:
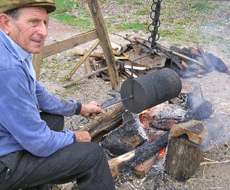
{"x": 218, "y": 132}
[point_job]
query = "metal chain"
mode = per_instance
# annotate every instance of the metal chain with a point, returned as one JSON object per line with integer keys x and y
{"x": 153, "y": 27}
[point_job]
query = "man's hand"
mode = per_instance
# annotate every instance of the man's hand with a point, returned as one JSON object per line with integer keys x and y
{"x": 82, "y": 136}
{"x": 90, "y": 110}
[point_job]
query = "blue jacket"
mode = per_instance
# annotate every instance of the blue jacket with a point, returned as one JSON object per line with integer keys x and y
{"x": 21, "y": 99}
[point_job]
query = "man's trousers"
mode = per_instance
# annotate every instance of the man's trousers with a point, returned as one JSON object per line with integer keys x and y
{"x": 84, "y": 162}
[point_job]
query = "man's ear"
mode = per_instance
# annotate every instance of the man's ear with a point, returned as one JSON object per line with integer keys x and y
{"x": 5, "y": 23}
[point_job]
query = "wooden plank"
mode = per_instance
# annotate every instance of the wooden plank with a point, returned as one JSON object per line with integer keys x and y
{"x": 60, "y": 46}
{"x": 105, "y": 43}
{"x": 69, "y": 43}
{"x": 83, "y": 59}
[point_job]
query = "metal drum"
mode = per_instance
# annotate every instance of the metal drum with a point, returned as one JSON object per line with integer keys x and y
{"x": 150, "y": 90}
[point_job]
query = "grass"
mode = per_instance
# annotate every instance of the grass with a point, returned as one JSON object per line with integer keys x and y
{"x": 180, "y": 20}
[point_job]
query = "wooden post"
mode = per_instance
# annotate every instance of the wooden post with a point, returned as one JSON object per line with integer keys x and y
{"x": 37, "y": 61}
{"x": 184, "y": 152}
{"x": 105, "y": 43}
{"x": 183, "y": 158}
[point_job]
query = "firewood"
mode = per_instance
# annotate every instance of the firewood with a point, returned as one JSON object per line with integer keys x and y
{"x": 182, "y": 159}
{"x": 104, "y": 123}
{"x": 143, "y": 168}
{"x": 87, "y": 65}
{"x": 85, "y": 76}
{"x": 142, "y": 153}
{"x": 98, "y": 55}
{"x": 184, "y": 150}
{"x": 83, "y": 59}
{"x": 195, "y": 130}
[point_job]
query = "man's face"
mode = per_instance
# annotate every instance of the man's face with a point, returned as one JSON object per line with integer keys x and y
{"x": 29, "y": 30}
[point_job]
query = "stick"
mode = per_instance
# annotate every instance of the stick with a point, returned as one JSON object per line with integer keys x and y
{"x": 223, "y": 162}
{"x": 85, "y": 76}
{"x": 182, "y": 56}
{"x": 99, "y": 55}
{"x": 83, "y": 59}
{"x": 87, "y": 65}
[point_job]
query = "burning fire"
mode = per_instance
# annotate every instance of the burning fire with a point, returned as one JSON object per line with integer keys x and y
{"x": 161, "y": 153}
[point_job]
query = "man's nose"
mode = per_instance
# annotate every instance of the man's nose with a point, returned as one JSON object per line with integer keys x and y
{"x": 42, "y": 30}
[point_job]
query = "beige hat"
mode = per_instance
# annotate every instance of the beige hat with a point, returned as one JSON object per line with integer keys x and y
{"x": 8, "y": 5}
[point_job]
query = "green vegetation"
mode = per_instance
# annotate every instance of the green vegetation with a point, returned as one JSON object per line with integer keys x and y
{"x": 66, "y": 6}
{"x": 180, "y": 20}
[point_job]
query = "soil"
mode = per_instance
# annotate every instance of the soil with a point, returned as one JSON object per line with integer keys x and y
{"x": 213, "y": 172}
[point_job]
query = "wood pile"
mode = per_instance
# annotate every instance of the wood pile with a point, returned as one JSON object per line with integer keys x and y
{"x": 137, "y": 58}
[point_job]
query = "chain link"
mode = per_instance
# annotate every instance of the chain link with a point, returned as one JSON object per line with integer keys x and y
{"x": 153, "y": 27}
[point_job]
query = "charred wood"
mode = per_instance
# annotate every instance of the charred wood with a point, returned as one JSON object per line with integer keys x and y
{"x": 139, "y": 155}
{"x": 103, "y": 124}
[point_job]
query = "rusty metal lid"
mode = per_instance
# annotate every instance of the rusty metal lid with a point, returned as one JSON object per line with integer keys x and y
{"x": 8, "y": 5}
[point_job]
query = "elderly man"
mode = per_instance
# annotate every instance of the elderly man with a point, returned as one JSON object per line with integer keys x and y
{"x": 34, "y": 148}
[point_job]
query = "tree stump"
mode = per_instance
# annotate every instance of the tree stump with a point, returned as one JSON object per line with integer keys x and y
{"x": 184, "y": 149}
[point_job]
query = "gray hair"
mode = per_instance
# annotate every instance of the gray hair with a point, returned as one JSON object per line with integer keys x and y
{"x": 14, "y": 14}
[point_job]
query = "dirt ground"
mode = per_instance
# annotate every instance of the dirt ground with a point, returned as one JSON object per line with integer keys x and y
{"x": 213, "y": 173}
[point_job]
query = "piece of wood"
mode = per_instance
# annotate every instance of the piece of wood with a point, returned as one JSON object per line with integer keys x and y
{"x": 105, "y": 43}
{"x": 206, "y": 59}
{"x": 85, "y": 76}
{"x": 83, "y": 59}
{"x": 143, "y": 168}
{"x": 135, "y": 68}
{"x": 69, "y": 43}
{"x": 195, "y": 130}
{"x": 105, "y": 123}
{"x": 87, "y": 65}
{"x": 99, "y": 55}
{"x": 181, "y": 56}
{"x": 142, "y": 153}
{"x": 182, "y": 158}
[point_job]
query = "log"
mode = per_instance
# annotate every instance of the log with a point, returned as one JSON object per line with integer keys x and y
{"x": 183, "y": 158}
{"x": 184, "y": 149}
{"x": 105, "y": 123}
{"x": 143, "y": 168}
{"x": 142, "y": 153}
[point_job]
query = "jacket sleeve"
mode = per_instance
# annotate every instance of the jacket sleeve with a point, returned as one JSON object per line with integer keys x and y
{"x": 53, "y": 104}
{"x": 21, "y": 120}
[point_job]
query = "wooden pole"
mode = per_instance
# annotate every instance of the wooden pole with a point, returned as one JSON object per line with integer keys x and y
{"x": 83, "y": 59}
{"x": 105, "y": 43}
{"x": 85, "y": 76}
